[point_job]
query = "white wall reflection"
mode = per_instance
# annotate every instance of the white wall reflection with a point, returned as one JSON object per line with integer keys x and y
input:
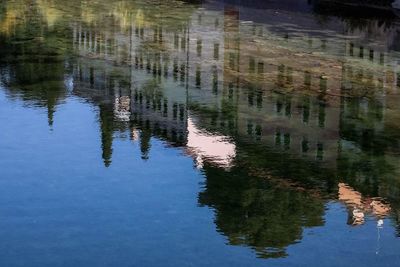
{"x": 204, "y": 146}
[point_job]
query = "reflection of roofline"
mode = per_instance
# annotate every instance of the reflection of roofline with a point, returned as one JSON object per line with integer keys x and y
{"x": 348, "y": 9}
{"x": 309, "y": 6}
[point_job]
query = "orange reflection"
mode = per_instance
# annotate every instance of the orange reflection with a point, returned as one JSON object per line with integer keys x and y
{"x": 359, "y": 205}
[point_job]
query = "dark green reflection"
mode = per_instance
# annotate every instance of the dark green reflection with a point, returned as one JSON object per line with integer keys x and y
{"x": 255, "y": 212}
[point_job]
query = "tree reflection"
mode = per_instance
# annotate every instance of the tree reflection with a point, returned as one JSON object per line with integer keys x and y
{"x": 255, "y": 212}
{"x": 33, "y": 67}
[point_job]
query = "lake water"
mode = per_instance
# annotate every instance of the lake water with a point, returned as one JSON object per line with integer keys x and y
{"x": 168, "y": 133}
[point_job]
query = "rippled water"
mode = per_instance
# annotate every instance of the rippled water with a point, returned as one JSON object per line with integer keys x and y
{"x": 168, "y": 133}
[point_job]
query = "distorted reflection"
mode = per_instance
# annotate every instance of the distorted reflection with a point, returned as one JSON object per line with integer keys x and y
{"x": 207, "y": 147}
{"x": 358, "y": 205}
{"x": 281, "y": 115}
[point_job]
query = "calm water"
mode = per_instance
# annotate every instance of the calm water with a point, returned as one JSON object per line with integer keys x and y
{"x": 168, "y": 133}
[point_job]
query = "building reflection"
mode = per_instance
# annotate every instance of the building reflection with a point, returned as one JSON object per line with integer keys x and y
{"x": 204, "y": 146}
{"x": 359, "y": 205}
{"x": 246, "y": 119}
{"x": 279, "y": 120}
